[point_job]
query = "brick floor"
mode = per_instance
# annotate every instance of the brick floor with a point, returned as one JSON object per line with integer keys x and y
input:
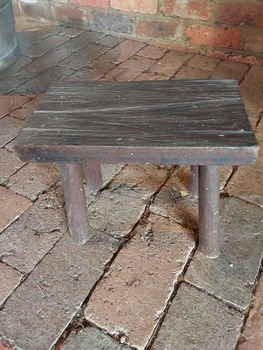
{"x": 139, "y": 282}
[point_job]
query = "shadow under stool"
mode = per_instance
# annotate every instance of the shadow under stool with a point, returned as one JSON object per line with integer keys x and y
{"x": 202, "y": 123}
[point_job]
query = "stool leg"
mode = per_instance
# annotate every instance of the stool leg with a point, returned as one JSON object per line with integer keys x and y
{"x": 92, "y": 174}
{"x": 75, "y": 201}
{"x": 209, "y": 210}
{"x": 194, "y": 180}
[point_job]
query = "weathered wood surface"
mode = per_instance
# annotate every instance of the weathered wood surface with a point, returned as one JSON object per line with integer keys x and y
{"x": 178, "y": 122}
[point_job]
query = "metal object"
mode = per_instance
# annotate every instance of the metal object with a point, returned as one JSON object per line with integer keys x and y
{"x": 209, "y": 210}
{"x": 9, "y": 47}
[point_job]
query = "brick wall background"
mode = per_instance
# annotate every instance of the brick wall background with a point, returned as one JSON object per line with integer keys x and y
{"x": 216, "y": 27}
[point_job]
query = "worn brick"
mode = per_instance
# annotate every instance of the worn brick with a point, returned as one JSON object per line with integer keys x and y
{"x": 145, "y": 6}
{"x": 70, "y": 32}
{"x": 40, "y": 83}
{"x": 9, "y": 84}
{"x": 9, "y": 280}
{"x": 109, "y": 41}
{"x": 195, "y": 320}
{"x": 141, "y": 276}
{"x": 10, "y": 103}
{"x": 4, "y": 345}
{"x": 146, "y": 178}
{"x": 74, "y": 15}
{"x": 47, "y": 61}
{"x": 84, "y": 56}
{"x": 53, "y": 293}
{"x": 132, "y": 188}
{"x": 187, "y": 9}
{"x": 42, "y": 225}
{"x": 252, "y": 333}
{"x": 45, "y": 45}
{"x": 91, "y": 338}
{"x": 84, "y": 39}
{"x": 38, "y": 33}
{"x": 247, "y": 184}
{"x": 122, "y": 51}
{"x": 170, "y": 63}
{"x": 156, "y": 28}
{"x": 112, "y": 21}
{"x": 231, "y": 38}
{"x": 153, "y": 52}
{"x": 96, "y": 70}
{"x": 238, "y": 13}
{"x": 203, "y": 62}
{"x": 33, "y": 179}
{"x": 251, "y": 89}
{"x": 26, "y": 111}
{"x": 9, "y": 128}
{"x": 20, "y": 63}
{"x": 104, "y": 4}
{"x": 12, "y": 206}
{"x": 230, "y": 70}
{"x": 254, "y": 41}
{"x": 151, "y": 76}
{"x": 130, "y": 69}
{"x": 187, "y": 72}
{"x": 9, "y": 164}
{"x": 231, "y": 277}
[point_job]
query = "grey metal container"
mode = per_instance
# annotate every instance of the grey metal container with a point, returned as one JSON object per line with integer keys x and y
{"x": 9, "y": 48}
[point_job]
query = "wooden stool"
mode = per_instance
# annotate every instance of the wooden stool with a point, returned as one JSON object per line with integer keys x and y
{"x": 202, "y": 123}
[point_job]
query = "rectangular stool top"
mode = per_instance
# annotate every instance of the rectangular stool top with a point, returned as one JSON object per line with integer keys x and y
{"x": 178, "y": 121}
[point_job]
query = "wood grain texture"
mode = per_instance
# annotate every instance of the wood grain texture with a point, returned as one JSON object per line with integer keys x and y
{"x": 191, "y": 122}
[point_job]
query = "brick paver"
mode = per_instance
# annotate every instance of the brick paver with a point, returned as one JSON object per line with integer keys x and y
{"x": 122, "y": 51}
{"x": 247, "y": 184}
{"x": 54, "y": 292}
{"x": 145, "y": 206}
{"x": 198, "y": 321}
{"x": 33, "y": 179}
{"x": 42, "y": 226}
{"x": 253, "y": 331}
{"x": 45, "y": 45}
{"x": 26, "y": 110}
{"x": 12, "y": 205}
{"x": 9, "y": 280}
{"x": 170, "y": 63}
{"x": 10, "y": 103}
{"x": 232, "y": 275}
{"x": 9, "y": 164}
{"x": 92, "y": 338}
{"x": 9, "y": 128}
{"x": 230, "y": 70}
{"x": 4, "y": 345}
{"x": 130, "y": 69}
{"x": 132, "y": 188}
{"x": 131, "y": 298}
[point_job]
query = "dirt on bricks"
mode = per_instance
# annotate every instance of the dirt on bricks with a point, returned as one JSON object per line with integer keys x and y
{"x": 139, "y": 283}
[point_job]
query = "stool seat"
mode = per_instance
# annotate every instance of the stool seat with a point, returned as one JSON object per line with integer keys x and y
{"x": 180, "y": 122}
{"x": 202, "y": 123}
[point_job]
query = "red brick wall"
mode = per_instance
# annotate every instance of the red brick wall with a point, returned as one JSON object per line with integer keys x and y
{"x": 215, "y": 26}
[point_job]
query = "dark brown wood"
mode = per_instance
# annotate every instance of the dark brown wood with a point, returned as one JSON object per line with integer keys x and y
{"x": 209, "y": 210}
{"x": 167, "y": 122}
{"x": 202, "y": 123}
{"x": 92, "y": 174}
{"x": 72, "y": 181}
{"x": 194, "y": 180}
